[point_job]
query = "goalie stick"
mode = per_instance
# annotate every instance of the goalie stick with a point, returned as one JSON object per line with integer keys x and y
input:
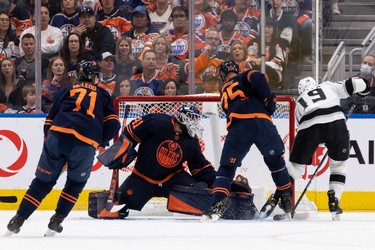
{"x": 293, "y": 213}
{"x": 8, "y": 199}
{"x": 111, "y": 206}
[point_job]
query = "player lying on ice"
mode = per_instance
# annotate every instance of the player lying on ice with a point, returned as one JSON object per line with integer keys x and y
{"x": 165, "y": 143}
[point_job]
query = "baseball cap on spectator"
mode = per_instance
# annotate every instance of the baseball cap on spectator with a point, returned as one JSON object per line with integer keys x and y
{"x": 4, "y": 5}
{"x": 228, "y": 14}
{"x": 140, "y": 9}
{"x": 108, "y": 54}
{"x": 209, "y": 73}
{"x": 85, "y": 10}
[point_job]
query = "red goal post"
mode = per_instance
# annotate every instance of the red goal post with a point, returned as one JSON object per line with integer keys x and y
{"x": 214, "y": 125}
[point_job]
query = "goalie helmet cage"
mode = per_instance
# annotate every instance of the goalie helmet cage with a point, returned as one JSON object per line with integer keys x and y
{"x": 214, "y": 125}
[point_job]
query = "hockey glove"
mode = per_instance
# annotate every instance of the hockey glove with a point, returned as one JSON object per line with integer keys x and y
{"x": 240, "y": 184}
{"x": 365, "y": 92}
{"x": 119, "y": 155}
{"x": 270, "y": 103}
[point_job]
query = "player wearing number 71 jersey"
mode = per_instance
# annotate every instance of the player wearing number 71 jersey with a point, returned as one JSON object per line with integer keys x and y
{"x": 321, "y": 120}
{"x": 82, "y": 118}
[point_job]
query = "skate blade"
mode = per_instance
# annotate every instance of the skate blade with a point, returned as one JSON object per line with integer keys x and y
{"x": 50, "y": 233}
{"x": 335, "y": 216}
{"x": 287, "y": 216}
{"x": 267, "y": 211}
{"x": 296, "y": 216}
{"x": 210, "y": 218}
{"x": 8, "y": 233}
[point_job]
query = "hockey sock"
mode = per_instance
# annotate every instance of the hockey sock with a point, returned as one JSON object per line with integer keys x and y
{"x": 35, "y": 194}
{"x": 69, "y": 196}
{"x": 221, "y": 189}
{"x": 282, "y": 180}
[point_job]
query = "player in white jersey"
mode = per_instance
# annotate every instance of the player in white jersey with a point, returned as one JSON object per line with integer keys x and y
{"x": 320, "y": 119}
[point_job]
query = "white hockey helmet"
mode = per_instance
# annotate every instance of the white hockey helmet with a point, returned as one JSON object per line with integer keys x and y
{"x": 306, "y": 84}
{"x": 190, "y": 116}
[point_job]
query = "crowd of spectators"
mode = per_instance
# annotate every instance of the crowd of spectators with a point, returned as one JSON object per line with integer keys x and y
{"x": 142, "y": 47}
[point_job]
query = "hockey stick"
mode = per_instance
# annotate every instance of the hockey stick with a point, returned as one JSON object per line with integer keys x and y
{"x": 8, "y": 199}
{"x": 110, "y": 206}
{"x": 351, "y": 110}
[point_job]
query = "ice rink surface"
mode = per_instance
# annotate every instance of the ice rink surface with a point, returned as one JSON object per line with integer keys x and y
{"x": 353, "y": 231}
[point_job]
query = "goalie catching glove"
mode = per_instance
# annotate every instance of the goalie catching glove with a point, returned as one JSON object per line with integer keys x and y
{"x": 119, "y": 155}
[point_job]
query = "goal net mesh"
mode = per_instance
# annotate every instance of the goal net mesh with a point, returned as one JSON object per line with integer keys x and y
{"x": 213, "y": 137}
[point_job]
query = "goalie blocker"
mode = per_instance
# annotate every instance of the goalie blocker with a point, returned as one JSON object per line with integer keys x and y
{"x": 97, "y": 206}
{"x": 119, "y": 155}
{"x": 195, "y": 201}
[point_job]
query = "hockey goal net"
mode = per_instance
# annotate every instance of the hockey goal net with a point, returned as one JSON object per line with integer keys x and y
{"x": 214, "y": 133}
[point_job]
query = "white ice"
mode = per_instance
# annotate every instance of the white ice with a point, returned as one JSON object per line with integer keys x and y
{"x": 353, "y": 231}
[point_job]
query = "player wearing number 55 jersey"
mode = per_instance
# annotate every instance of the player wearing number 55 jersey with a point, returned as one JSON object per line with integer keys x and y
{"x": 81, "y": 119}
{"x": 248, "y": 105}
{"x": 321, "y": 120}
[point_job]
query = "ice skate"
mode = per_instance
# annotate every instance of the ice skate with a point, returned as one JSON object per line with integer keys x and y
{"x": 333, "y": 205}
{"x": 217, "y": 210}
{"x": 54, "y": 225}
{"x": 285, "y": 204}
{"x": 14, "y": 225}
{"x": 269, "y": 206}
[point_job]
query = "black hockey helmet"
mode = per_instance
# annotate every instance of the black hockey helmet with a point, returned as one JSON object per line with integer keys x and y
{"x": 190, "y": 116}
{"x": 226, "y": 67}
{"x": 87, "y": 70}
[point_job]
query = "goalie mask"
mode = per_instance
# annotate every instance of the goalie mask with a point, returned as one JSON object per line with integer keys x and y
{"x": 190, "y": 117}
{"x": 306, "y": 84}
{"x": 88, "y": 71}
{"x": 227, "y": 67}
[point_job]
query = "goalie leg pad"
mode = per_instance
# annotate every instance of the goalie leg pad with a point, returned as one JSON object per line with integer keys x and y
{"x": 189, "y": 200}
{"x": 119, "y": 155}
{"x": 195, "y": 201}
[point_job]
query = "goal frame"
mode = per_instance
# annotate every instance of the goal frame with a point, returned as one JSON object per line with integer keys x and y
{"x": 210, "y": 98}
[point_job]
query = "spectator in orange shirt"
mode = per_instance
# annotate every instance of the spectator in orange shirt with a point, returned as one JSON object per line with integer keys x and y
{"x": 169, "y": 66}
{"x": 204, "y": 18}
{"x": 209, "y": 55}
{"x": 141, "y": 33}
{"x": 20, "y": 17}
{"x": 180, "y": 33}
{"x": 114, "y": 18}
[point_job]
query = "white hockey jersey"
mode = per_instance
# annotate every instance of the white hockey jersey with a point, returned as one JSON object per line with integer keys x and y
{"x": 322, "y": 104}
